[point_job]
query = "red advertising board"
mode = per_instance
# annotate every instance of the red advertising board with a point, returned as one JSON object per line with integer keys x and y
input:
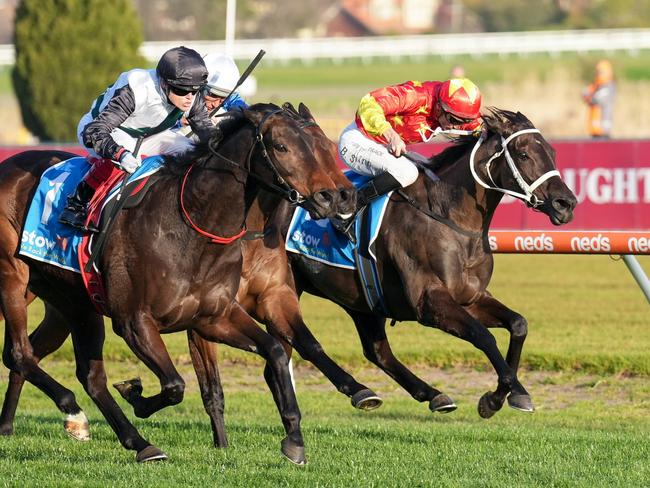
{"x": 610, "y": 178}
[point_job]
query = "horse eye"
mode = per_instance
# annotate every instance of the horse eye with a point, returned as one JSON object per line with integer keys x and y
{"x": 279, "y": 147}
{"x": 523, "y": 155}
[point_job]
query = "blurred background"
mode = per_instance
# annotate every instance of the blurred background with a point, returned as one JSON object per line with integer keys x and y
{"x": 533, "y": 56}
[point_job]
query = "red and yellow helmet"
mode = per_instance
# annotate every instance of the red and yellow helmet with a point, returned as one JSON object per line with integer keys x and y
{"x": 460, "y": 97}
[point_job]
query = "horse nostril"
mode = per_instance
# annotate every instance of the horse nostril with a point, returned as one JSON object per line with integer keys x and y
{"x": 561, "y": 204}
{"x": 324, "y": 198}
{"x": 348, "y": 195}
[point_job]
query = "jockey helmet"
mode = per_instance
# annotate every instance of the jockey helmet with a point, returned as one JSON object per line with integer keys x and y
{"x": 183, "y": 68}
{"x": 460, "y": 97}
{"x": 223, "y": 74}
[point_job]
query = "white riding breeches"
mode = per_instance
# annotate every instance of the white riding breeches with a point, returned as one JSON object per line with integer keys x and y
{"x": 165, "y": 142}
{"x": 370, "y": 158}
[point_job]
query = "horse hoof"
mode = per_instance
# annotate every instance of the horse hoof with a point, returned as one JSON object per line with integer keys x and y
{"x": 442, "y": 403}
{"x": 487, "y": 408}
{"x": 7, "y": 430}
{"x": 150, "y": 453}
{"x": 129, "y": 388}
{"x": 293, "y": 452}
{"x": 523, "y": 403}
{"x": 77, "y": 427}
{"x": 366, "y": 400}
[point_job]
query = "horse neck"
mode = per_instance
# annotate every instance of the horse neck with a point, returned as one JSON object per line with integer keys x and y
{"x": 219, "y": 196}
{"x": 262, "y": 209}
{"x": 479, "y": 202}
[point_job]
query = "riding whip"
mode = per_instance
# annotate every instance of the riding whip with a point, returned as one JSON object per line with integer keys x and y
{"x": 241, "y": 80}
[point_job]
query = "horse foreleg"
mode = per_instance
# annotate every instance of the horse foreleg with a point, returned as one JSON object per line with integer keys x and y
{"x": 205, "y": 365}
{"x": 279, "y": 309}
{"x": 376, "y": 348}
{"x": 436, "y": 308}
{"x": 143, "y": 337}
{"x": 237, "y": 329}
{"x": 49, "y": 336}
{"x": 492, "y": 313}
{"x": 88, "y": 341}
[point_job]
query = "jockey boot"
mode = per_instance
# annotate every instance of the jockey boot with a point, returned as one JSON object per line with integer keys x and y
{"x": 379, "y": 185}
{"x": 76, "y": 209}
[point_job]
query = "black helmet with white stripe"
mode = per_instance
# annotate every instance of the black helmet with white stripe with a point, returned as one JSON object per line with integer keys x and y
{"x": 182, "y": 67}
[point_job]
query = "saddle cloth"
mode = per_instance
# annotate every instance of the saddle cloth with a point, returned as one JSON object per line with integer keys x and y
{"x": 45, "y": 239}
{"x": 318, "y": 240}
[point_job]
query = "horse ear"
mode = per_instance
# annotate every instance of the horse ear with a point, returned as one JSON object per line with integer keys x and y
{"x": 255, "y": 116}
{"x": 288, "y": 106}
{"x": 495, "y": 121}
{"x": 305, "y": 113}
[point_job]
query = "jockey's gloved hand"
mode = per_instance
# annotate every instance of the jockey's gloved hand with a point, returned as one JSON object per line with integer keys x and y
{"x": 129, "y": 162}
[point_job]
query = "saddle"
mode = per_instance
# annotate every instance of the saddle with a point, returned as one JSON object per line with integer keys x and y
{"x": 101, "y": 207}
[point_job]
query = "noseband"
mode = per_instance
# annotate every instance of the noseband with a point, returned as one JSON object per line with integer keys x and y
{"x": 527, "y": 195}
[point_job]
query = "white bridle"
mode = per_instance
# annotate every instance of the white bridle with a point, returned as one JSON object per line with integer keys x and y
{"x": 528, "y": 190}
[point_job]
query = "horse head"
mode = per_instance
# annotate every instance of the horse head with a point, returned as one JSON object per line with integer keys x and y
{"x": 519, "y": 162}
{"x": 292, "y": 163}
{"x": 328, "y": 155}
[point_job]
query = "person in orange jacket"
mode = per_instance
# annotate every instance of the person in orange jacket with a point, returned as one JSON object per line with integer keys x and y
{"x": 600, "y": 96}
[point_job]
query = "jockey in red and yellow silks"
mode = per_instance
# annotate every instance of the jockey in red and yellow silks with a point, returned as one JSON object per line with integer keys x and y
{"x": 389, "y": 118}
{"x": 412, "y": 109}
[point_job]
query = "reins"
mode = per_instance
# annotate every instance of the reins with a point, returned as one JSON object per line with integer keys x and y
{"x": 283, "y": 189}
{"x": 443, "y": 220}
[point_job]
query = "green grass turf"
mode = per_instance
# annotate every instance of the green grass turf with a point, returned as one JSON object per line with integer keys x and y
{"x": 588, "y": 332}
{"x": 584, "y": 442}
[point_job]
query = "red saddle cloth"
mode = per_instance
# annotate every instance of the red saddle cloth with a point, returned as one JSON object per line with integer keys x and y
{"x": 93, "y": 278}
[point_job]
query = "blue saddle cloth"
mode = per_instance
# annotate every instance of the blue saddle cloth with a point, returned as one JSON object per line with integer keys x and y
{"x": 44, "y": 238}
{"x": 318, "y": 240}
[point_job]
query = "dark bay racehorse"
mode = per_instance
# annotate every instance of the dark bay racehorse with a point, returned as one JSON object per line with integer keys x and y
{"x": 434, "y": 257}
{"x": 440, "y": 277}
{"x": 266, "y": 292}
{"x": 162, "y": 276}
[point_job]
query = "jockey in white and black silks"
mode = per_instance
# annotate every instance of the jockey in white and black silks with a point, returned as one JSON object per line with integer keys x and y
{"x": 141, "y": 105}
{"x": 389, "y": 118}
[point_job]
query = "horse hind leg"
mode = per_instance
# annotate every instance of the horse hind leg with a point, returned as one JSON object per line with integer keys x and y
{"x": 376, "y": 348}
{"x": 437, "y": 309}
{"x": 238, "y": 329}
{"x": 281, "y": 313}
{"x": 48, "y": 337}
{"x": 18, "y": 354}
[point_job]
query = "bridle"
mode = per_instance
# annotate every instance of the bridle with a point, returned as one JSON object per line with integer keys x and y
{"x": 527, "y": 196}
{"x": 282, "y": 188}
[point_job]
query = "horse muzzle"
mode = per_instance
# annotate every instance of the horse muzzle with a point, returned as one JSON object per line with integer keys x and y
{"x": 323, "y": 204}
{"x": 560, "y": 210}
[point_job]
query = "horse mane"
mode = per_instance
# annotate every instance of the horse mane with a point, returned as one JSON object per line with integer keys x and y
{"x": 496, "y": 121}
{"x": 201, "y": 151}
